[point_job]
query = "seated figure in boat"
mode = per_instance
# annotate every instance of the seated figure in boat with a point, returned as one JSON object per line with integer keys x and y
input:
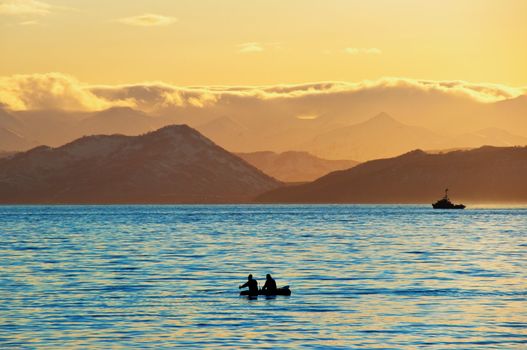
{"x": 270, "y": 285}
{"x": 252, "y": 284}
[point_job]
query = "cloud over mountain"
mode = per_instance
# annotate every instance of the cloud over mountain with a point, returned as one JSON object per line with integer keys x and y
{"x": 50, "y": 91}
{"x": 282, "y": 117}
{"x": 60, "y": 91}
{"x": 330, "y": 119}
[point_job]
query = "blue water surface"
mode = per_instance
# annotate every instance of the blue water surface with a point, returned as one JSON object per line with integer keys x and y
{"x": 397, "y": 277}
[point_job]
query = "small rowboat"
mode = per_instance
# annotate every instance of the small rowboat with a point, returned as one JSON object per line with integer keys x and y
{"x": 280, "y": 291}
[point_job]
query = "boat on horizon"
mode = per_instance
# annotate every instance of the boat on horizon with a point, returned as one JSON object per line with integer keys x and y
{"x": 445, "y": 203}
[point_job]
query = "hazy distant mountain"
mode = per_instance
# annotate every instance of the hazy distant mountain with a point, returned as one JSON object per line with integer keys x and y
{"x": 50, "y": 127}
{"x": 284, "y": 127}
{"x": 57, "y": 127}
{"x": 117, "y": 120}
{"x": 171, "y": 165}
{"x": 294, "y": 166}
{"x": 510, "y": 114}
{"x": 11, "y": 141}
{"x": 277, "y": 118}
{"x": 489, "y": 137}
{"x": 259, "y": 136}
{"x": 9, "y": 121}
{"x": 11, "y": 138}
{"x": 379, "y": 137}
{"x": 224, "y": 131}
{"x": 486, "y": 174}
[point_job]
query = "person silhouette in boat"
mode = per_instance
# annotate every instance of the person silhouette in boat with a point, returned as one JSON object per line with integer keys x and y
{"x": 252, "y": 284}
{"x": 270, "y": 285}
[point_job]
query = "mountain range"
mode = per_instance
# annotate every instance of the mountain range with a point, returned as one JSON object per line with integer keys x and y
{"x": 331, "y": 135}
{"x": 175, "y": 164}
{"x": 327, "y": 137}
{"x": 383, "y": 136}
{"x": 486, "y": 174}
{"x": 379, "y": 137}
{"x": 294, "y": 166}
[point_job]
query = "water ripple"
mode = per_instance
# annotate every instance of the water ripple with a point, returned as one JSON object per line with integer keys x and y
{"x": 393, "y": 277}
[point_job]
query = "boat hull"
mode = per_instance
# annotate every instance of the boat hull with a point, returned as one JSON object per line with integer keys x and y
{"x": 455, "y": 206}
{"x": 279, "y": 291}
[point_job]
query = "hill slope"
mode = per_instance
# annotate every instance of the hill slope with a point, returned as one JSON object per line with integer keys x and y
{"x": 224, "y": 131}
{"x": 488, "y": 137}
{"x": 486, "y": 174}
{"x": 122, "y": 120}
{"x": 379, "y": 137}
{"x": 294, "y": 166}
{"x": 5, "y": 154}
{"x": 174, "y": 164}
{"x": 11, "y": 141}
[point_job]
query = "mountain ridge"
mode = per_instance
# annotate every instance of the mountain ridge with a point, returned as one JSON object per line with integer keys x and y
{"x": 379, "y": 136}
{"x": 294, "y": 166}
{"x": 174, "y": 164}
{"x": 485, "y": 174}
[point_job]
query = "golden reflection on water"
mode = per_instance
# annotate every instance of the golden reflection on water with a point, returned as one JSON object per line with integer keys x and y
{"x": 162, "y": 276}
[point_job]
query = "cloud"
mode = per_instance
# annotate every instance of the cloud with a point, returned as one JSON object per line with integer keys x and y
{"x": 252, "y": 47}
{"x": 155, "y": 96}
{"x": 307, "y": 116}
{"x": 256, "y": 47}
{"x": 50, "y": 91}
{"x": 148, "y": 20}
{"x": 362, "y": 51}
{"x": 28, "y": 23}
{"x": 59, "y": 91}
{"x": 24, "y": 7}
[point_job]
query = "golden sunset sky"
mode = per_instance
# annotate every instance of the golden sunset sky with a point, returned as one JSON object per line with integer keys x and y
{"x": 226, "y": 42}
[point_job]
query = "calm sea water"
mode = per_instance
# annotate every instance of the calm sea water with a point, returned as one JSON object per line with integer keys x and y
{"x": 394, "y": 277}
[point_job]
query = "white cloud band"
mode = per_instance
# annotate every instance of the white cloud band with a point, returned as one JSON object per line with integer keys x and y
{"x": 59, "y": 91}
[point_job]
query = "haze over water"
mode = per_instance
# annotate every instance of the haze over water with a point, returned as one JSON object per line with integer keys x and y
{"x": 167, "y": 276}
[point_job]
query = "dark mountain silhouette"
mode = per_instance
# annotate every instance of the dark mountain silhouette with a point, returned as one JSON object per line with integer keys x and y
{"x": 294, "y": 166}
{"x": 175, "y": 164}
{"x": 5, "y": 154}
{"x": 486, "y": 174}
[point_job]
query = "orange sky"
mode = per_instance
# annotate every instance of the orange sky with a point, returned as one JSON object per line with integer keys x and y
{"x": 204, "y": 42}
